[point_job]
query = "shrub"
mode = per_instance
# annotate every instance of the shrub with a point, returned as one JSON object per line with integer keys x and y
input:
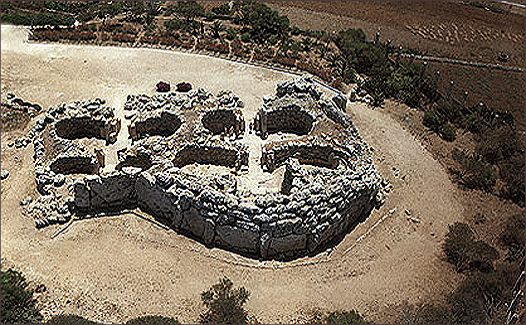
{"x": 223, "y": 9}
{"x": 188, "y": 9}
{"x": 246, "y": 37}
{"x": 513, "y": 236}
{"x": 432, "y": 121}
{"x": 225, "y": 304}
{"x": 173, "y": 24}
{"x": 163, "y": 86}
{"x": 512, "y": 172}
{"x": 497, "y": 144}
{"x": 273, "y": 39}
{"x": 70, "y": 319}
{"x": 466, "y": 253}
{"x": 261, "y": 19}
{"x": 231, "y": 33}
{"x": 345, "y": 317}
{"x": 448, "y": 132}
{"x": 482, "y": 298}
{"x": 476, "y": 173}
{"x": 18, "y": 305}
{"x": 153, "y": 320}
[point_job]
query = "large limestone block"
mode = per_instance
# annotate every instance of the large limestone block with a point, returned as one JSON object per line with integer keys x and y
{"x": 237, "y": 238}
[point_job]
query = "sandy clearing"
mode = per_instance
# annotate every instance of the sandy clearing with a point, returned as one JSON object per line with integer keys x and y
{"x": 115, "y": 268}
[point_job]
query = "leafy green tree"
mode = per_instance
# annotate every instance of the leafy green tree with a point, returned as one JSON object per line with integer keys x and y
{"x": 223, "y": 9}
{"x": 188, "y": 9}
{"x": 225, "y": 304}
{"x": 173, "y": 24}
{"x": 231, "y": 33}
{"x": 18, "y": 305}
{"x": 262, "y": 21}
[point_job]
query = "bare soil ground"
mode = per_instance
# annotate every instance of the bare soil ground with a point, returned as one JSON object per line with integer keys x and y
{"x": 442, "y": 28}
{"x": 115, "y": 268}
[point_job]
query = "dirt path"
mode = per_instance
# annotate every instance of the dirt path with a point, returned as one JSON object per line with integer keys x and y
{"x": 115, "y": 268}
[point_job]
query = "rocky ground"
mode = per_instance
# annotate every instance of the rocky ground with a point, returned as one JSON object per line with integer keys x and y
{"x": 115, "y": 268}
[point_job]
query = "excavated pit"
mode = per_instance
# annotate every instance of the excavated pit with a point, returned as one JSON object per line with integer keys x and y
{"x": 289, "y": 120}
{"x": 207, "y": 155}
{"x": 142, "y": 161}
{"x": 164, "y": 125}
{"x": 74, "y": 165}
{"x": 80, "y": 127}
{"x": 221, "y": 121}
{"x": 306, "y": 154}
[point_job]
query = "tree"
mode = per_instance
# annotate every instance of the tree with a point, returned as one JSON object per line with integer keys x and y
{"x": 18, "y": 305}
{"x": 262, "y": 21}
{"x": 225, "y": 304}
{"x": 216, "y": 28}
{"x": 188, "y": 9}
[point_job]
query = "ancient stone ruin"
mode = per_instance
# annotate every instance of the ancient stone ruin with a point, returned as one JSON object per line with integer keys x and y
{"x": 292, "y": 184}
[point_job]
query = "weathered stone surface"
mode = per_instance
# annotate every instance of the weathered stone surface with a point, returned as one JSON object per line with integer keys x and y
{"x": 329, "y": 181}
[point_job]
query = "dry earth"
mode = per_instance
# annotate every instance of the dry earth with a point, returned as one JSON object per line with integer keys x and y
{"x": 442, "y": 28}
{"x": 115, "y": 268}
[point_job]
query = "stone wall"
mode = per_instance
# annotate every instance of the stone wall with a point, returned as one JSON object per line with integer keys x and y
{"x": 269, "y": 227}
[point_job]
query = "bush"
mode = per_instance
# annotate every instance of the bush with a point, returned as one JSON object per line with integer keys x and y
{"x": 153, "y": 320}
{"x": 466, "y": 253}
{"x": 246, "y": 37}
{"x": 225, "y": 304}
{"x": 173, "y": 24}
{"x": 345, "y": 317}
{"x": 476, "y": 173}
{"x": 448, "y": 132}
{"x": 433, "y": 121}
{"x": 184, "y": 87}
{"x": 223, "y": 9}
{"x": 261, "y": 19}
{"x": 498, "y": 144}
{"x": 512, "y": 172}
{"x": 513, "y": 236}
{"x": 18, "y": 305}
{"x": 231, "y": 33}
{"x": 163, "y": 86}
{"x": 70, "y": 319}
{"x": 482, "y": 298}
{"x": 188, "y": 9}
